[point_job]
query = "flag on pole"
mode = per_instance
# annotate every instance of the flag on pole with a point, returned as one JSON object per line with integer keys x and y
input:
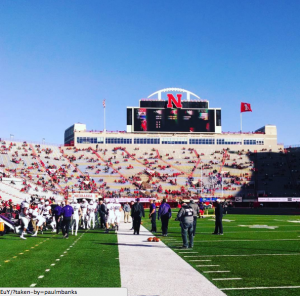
{"x": 246, "y": 107}
{"x": 103, "y": 103}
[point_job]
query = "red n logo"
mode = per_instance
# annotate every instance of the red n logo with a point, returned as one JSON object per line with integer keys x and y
{"x": 172, "y": 99}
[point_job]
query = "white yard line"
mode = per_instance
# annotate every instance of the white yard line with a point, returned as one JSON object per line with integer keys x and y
{"x": 214, "y": 271}
{"x": 143, "y": 263}
{"x": 226, "y": 279}
{"x": 247, "y": 240}
{"x": 206, "y": 265}
{"x": 248, "y": 255}
{"x": 261, "y": 288}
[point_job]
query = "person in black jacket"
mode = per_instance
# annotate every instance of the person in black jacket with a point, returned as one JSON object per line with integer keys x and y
{"x": 102, "y": 210}
{"x": 219, "y": 216}
{"x": 137, "y": 212}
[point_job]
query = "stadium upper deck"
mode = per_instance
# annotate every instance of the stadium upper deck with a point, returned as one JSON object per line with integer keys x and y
{"x": 263, "y": 138}
{"x": 174, "y": 121}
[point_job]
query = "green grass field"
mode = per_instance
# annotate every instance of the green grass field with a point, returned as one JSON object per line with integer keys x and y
{"x": 87, "y": 260}
{"x": 265, "y": 252}
{"x": 253, "y": 267}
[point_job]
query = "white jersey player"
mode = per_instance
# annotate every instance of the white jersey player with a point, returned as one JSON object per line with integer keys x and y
{"x": 47, "y": 214}
{"x": 84, "y": 206}
{"x": 41, "y": 205}
{"x": 118, "y": 210}
{"x": 24, "y": 216}
{"x": 91, "y": 214}
{"x": 40, "y": 220}
{"x": 111, "y": 216}
{"x": 76, "y": 216}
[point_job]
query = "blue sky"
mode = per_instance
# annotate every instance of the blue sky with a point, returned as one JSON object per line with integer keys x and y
{"x": 60, "y": 59}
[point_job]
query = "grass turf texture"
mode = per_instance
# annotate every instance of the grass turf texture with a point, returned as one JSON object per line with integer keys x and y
{"x": 87, "y": 260}
{"x": 91, "y": 258}
{"x": 254, "y": 271}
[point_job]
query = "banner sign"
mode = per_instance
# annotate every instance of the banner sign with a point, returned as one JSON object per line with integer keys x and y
{"x": 204, "y": 199}
{"x": 129, "y": 199}
{"x": 84, "y": 195}
{"x": 273, "y": 199}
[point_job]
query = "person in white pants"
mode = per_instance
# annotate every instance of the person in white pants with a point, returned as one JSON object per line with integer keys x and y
{"x": 118, "y": 210}
{"x": 91, "y": 215}
{"x": 84, "y": 205}
{"x": 76, "y": 216}
{"x": 111, "y": 216}
{"x": 24, "y": 216}
{"x": 40, "y": 222}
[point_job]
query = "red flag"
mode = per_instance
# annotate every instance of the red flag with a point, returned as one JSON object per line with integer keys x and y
{"x": 103, "y": 103}
{"x": 246, "y": 107}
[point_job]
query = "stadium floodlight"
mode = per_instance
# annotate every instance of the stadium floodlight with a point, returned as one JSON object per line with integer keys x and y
{"x": 43, "y": 140}
{"x": 11, "y": 136}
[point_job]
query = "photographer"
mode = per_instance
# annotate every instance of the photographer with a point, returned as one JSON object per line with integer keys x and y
{"x": 185, "y": 216}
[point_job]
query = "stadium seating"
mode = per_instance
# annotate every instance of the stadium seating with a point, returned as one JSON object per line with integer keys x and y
{"x": 130, "y": 170}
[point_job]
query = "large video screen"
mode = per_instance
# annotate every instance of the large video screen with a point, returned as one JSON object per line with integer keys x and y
{"x": 174, "y": 120}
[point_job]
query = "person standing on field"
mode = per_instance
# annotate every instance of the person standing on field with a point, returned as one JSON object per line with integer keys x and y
{"x": 219, "y": 216}
{"x": 164, "y": 213}
{"x": 67, "y": 212}
{"x": 152, "y": 215}
{"x": 137, "y": 212}
{"x": 185, "y": 216}
{"x": 126, "y": 209}
{"x": 196, "y": 211}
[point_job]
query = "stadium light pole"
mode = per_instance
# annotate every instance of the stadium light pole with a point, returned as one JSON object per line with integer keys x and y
{"x": 104, "y": 107}
{"x": 11, "y": 137}
{"x": 43, "y": 141}
{"x": 201, "y": 178}
{"x": 241, "y": 123}
{"x": 222, "y": 182}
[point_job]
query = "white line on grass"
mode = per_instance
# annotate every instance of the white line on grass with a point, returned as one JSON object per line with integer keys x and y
{"x": 256, "y": 231}
{"x": 32, "y": 285}
{"x": 41, "y": 276}
{"x": 249, "y": 255}
{"x": 47, "y": 270}
{"x": 198, "y": 260}
{"x": 261, "y": 288}
{"x": 52, "y": 264}
{"x": 227, "y": 279}
{"x": 248, "y": 240}
{"x": 206, "y": 265}
{"x": 213, "y": 271}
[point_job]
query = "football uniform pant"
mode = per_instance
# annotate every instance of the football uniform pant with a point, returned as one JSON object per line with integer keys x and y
{"x": 75, "y": 224}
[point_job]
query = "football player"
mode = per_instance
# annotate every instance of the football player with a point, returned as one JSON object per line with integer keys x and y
{"x": 40, "y": 220}
{"x": 118, "y": 210}
{"x": 111, "y": 216}
{"x": 24, "y": 216}
{"x": 91, "y": 215}
{"x": 76, "y": 216}
{"x": 84, "y": 206}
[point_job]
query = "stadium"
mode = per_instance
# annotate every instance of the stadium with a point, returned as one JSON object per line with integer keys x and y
{"x": 173, "y": 149}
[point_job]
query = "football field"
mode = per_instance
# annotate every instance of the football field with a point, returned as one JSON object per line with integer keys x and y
{"x": 257, "y": 255}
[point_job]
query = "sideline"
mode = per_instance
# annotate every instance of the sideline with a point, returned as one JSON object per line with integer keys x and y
{"x": 149, "y": 268}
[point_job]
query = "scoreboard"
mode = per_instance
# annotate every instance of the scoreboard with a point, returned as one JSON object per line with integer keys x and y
{"x": 156, "y": 117}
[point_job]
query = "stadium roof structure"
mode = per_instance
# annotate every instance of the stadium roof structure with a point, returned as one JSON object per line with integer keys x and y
{"x": 170, "y": 89}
